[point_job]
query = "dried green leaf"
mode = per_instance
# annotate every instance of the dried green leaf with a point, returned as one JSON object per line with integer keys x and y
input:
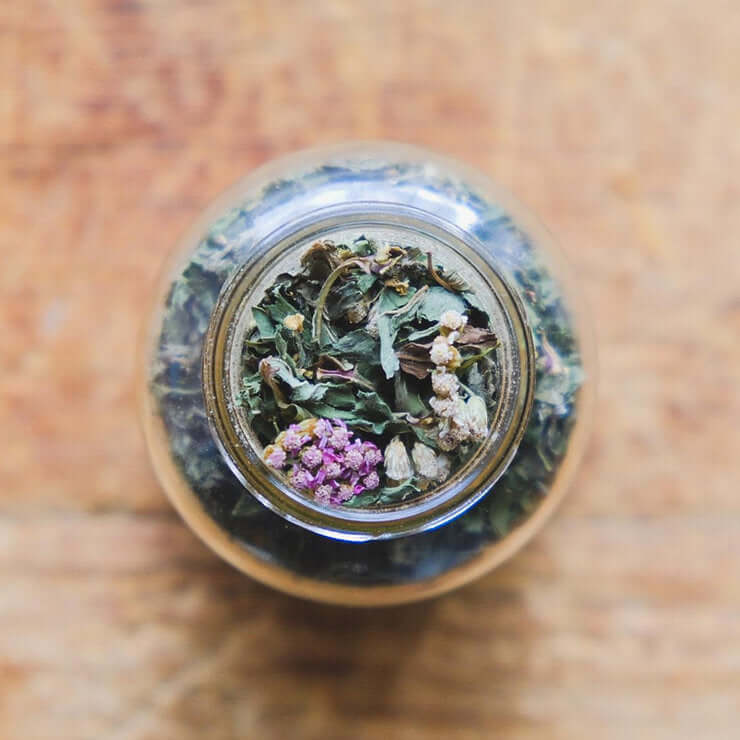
{"x": 437, "y": 301}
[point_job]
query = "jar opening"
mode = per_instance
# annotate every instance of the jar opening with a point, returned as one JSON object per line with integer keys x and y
{"x": 261, "y": 465}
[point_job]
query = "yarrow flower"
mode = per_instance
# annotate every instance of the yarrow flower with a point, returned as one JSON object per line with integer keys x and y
{"x": 311, "y": 457}
{"x": 353, "y": 456}
{"x": 325, "y": 458}
{"x": 331, "y": 470}
{"x": 453, "y": 320}
{"x": 444, "y": 384}
{"x": 371, "y": 481}
{"x": 275, "y": 457}
{"x": 459, "y": 422}
{"x": 323, "y": 494}
{"x": 373, "y": 456}
{"x": 345, "y": 492}
{"x": 340, "y": 438}
{"x": 292, "y": 440}
{"x": 441, "y": 351}
{"x": 444, "y": 407}
{"x": 300, "y": 478}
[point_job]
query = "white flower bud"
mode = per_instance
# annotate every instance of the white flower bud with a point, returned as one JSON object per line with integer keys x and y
{"x": 425, "y": 461}
{"x": 441, "y": 351}
{"x": 453, "y": 320}
{"x": 444, "y": 466}
{"x": 444, "y": 407}
{"x": 444, "y": 384}
{"x": 476, "y": 416}
{"x": 396, "y": 461}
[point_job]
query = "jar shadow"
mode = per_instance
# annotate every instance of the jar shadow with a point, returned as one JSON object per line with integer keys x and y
{"x": 284, "y": 667}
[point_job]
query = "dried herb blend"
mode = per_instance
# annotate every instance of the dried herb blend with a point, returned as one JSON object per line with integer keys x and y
{"x": 369, "y": 374}
{"x": 187, "y": 455}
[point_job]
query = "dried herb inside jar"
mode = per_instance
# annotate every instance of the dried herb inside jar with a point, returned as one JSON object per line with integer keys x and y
{"x": 369, "y": 375}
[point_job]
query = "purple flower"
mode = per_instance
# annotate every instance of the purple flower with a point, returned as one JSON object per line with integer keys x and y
{"x": 332, "y": 470}
{"x": 335, "y": 467}
{"x": 292, "y": 440}
{"x": 312, "y": 457}
{"x": 322, "y": 429}
{"x": 329, "y": 456}
{"x": 276, "y": 458}
{"x": 353, "y": 456}
{"x": 301, "y": 478}
{"x": 324, "y": 494}
{"x": 373, "y": 456}
{"x": 345, "y": 493}
{"x": 340, "y": 438}
{"x": 371, "y": 481}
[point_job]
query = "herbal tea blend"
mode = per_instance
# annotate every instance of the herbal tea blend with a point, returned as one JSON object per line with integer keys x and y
{"x": 366, "y": 382}
{"x": 368, "y": 376}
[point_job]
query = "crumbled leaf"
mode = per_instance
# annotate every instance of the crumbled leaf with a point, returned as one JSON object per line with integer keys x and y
{"x": 408, "y": 400}
{"x": 265, "y": 325}
{"x": 355, "y": 344}
{"x": 437, "y": 301}
{"x": 414, "y": 359}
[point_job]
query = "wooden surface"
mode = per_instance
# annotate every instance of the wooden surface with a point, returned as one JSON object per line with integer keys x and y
{"x": 616, "y": 122}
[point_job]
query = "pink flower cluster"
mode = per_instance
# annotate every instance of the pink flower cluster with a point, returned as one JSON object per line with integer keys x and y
{"x": 325, "y": 461}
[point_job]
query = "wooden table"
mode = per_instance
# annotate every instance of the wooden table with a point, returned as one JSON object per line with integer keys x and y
{"x": 616, "y": 122}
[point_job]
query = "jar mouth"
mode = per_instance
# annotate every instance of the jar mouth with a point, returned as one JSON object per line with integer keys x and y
{"x": 231, "y": 320}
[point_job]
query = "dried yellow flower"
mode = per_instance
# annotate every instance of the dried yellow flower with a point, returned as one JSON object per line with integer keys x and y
{"x": 294, "y": 322}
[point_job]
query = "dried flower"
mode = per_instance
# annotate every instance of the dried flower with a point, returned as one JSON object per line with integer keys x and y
{"x": 443, "y": 407}
{"x": 345, "y": 492}
{"x": 441, "y": 351}
{"x": 354, "y": 456}
{"x": 312, "y": 457}
{"x": 373, "y": 456}
{"x": 294, "y": 322}
{"x": 371, "y": 481}
{"x": 452, "y": 320}
{"x": 397, "y": 464}
{"x": 331, "y": 470}
{"x": 291, "y": 439}
{"x": 444, "y": 384}
{"x": 357, "y": 312}
{"x": 444, "y": 465}
{"x": 275, "y": 457}
{"x": 476, "y": 416}
{"x": 340, "y": 438}
{"x": 332, "y": 467}
{"x": 301, "y": 479}
{"x": 323, "y": 494}
{"x": 425, "y": 461}
{"x": 321, "y": 428}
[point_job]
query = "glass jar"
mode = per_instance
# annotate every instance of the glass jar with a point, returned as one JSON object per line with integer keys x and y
{"x": 206, "y": 455}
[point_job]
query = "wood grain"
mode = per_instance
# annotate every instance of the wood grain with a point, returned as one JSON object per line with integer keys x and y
{"x": 616, "y": 122}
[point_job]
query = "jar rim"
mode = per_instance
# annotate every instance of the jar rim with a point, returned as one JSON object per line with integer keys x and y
{"x": 237, "y": 447}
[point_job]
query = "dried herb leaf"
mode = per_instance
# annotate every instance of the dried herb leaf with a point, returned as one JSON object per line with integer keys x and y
{"x": 408, "y": 400}
{"x": 437, "y": 301}
{"x": 414, "y": 359}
